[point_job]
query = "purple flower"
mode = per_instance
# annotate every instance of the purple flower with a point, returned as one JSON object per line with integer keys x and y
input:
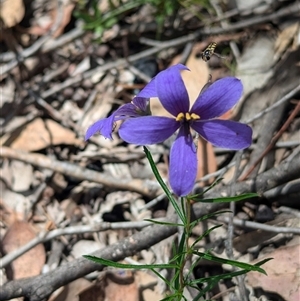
{"x": 138, "y": 107}
{"x": 213, "y": 102}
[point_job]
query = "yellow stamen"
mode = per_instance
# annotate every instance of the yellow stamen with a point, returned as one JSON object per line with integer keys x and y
{"x": 195, "y": 116}
{"x": 187, "y": 116}
{"x": 180, "y": 117}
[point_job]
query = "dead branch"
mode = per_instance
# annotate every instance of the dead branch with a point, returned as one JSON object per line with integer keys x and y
{"x": 259, "y": 226}
{"x": 45, "y": 236}
{"x": 73, "y": 170}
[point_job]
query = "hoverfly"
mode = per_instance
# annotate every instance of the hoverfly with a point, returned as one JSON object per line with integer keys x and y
{"x": 209, "y": 52}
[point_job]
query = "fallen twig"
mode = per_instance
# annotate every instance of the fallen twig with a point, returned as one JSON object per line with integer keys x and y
{"x": 259, "y": 226}
{"x": 272, "y": 143}
{"x": 76, "y": 171}
{"x": 290, "y": 10}
{"x": 45, "y": 236}
{"x": 282, "y": 100}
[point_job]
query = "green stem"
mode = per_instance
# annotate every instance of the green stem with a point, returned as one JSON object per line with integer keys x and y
{"x": 187, "y": 231}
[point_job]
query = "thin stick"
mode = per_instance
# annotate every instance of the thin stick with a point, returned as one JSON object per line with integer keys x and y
{"x": 273, "y": 142}
{"x": 254, "y": 225}
{"x": 275, "y": 105}
{"x": 74, "y": 171}
{"x": 45, "y": 236}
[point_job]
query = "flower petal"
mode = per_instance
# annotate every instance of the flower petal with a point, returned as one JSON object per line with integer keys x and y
{"x": 148, "y": 129}
{"x": 141, "y": 103}
{"x": 138, "y": 108}
{"x": 128, "y": 110}
{"x": 225, "y": 133}
{"x": 218, "y": 98}
{"x": 150, "y": 89}
{"x": 103, "y": 126}
{"x": 171, "y": 90}
{"x": 183, "y": 163}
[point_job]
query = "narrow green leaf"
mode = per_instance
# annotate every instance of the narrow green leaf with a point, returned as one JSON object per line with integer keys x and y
{"x": 228, "y": 199}
{"x": 110, "y": 22}
{"x": 193, "y": 265}
{"x": 205, "y": 234}
{"x": 208, "y": 288}
{"x": 178, "y": 257}
{"x": 163, "y": 185}
{"x": 230, "y": 275}
{"x": 175, "y": 280}
{"x": 172, "y": 297}
{"x": 263, "y": 262}
{"x": 181, "y": 247}
{"x": 207, "y": 216}
{"x": 218, "y": 278}
{"x": 129, "y": 266}
{"x": 184, "y": 298}
{"x": 235, "y": 263}
{"x": 161, "y": 277}
{"x": 198, "y": 195}
{"x": 183, "y": 202}
{"x": 163, "y": 223}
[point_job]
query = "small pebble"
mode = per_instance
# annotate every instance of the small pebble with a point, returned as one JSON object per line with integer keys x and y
{"x": 68, "y": 92}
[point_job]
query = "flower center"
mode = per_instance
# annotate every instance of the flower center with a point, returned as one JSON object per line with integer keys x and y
{"x": 187, "y": 117}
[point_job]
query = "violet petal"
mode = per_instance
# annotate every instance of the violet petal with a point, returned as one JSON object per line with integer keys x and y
{"x": 183, "y": 163}
{"x": 103, "y": 126}
{"x": 149, "y": 90}
{"x": 148, "y": 129}
{"x": 225, "y": 133}
{"x": 218, "y": 98}
{"x": 141, "y": 103}
{"x": 128, "y": 110}
{"x": 171, "y": 90}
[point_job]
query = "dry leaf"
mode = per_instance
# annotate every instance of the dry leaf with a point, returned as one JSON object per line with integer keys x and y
{"x": 15, "y": 203}
{"x": 256, "y": 237}
{"x": 230, "y": 173}
{"x": 251, "y": 239}
{"x": 254, "y": 66}
{"x": 67, "y": 14}
{"x": 94, "y": 292}
{"x": 116, "y": 285}
{"x": 29, "y": 264}
{"x": 40, "y": 134}
{"x": 150, "y": 295}
{"x": 43, "y": 27}
{"x": 286, "y": 38}
{"x": 207, "y": 162}
{"x": 84, "y": 247}
{"x": 283, "y": 273}
{"x": 11, "y": 12}
{"x": 7, "y": 92}
{"x": 22, "y": 176}
{"x": 148, "y": 285}
{"x": 121, "y": 286}
{"x": 71, "y": 291}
